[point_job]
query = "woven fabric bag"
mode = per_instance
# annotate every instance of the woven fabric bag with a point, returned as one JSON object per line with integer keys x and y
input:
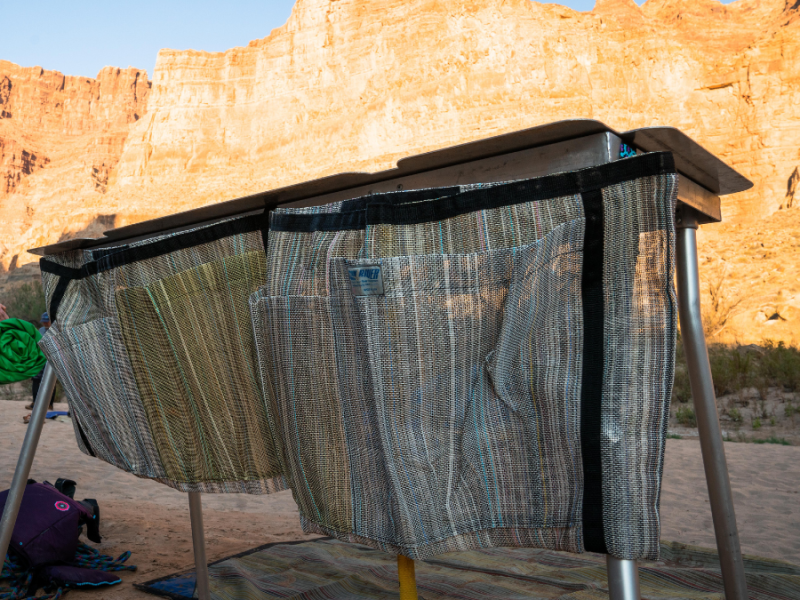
{"x": 507, "y": 383}
{"x": 189, "y": 414}
{"x": 154, "y": 345}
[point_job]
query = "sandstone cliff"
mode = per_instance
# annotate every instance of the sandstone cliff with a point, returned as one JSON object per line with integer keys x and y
{"x": 355, "y": 85}
{"x": 60, "y": 137}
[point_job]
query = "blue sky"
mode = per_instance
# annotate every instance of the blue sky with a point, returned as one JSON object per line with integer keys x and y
{"x": 81, "y": 37}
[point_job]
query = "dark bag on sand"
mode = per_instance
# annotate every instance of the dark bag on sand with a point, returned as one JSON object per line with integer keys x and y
{"x": 48, "y": 525}
{"x": 45, "y": 550}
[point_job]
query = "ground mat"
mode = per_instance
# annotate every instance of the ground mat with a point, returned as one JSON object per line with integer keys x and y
{"x": 329, "y": 569}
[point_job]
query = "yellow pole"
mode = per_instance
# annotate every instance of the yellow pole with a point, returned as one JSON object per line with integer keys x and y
{"x": 408, "y": 583}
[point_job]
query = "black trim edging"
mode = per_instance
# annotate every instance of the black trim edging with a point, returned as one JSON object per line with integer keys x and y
{"x": 592, "y": 376}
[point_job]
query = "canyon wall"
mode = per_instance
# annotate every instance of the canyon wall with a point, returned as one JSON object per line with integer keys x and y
{"x": 60, "y": 137}
{"x": 354, "y": 85}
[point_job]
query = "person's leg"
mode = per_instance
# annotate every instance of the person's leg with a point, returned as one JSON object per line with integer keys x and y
{"x": 36, "y": 380}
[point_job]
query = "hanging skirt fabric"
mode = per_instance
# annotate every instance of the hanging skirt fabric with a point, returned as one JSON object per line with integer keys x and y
{"x": 308, "y": 238}
{"x": 154, "y": 345}
{"x": 488, "y": 368}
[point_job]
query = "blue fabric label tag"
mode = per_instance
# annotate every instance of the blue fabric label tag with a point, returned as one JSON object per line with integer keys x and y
{"x": 366, "y": 280}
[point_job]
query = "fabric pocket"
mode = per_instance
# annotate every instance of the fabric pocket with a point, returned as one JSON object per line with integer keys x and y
{"x": 190, "y": 342}
{"x": 314, "y": 366}
{"x": 92, "y": 364}
{"x": 537, "y": 364}
{"x": 462, "y": 457}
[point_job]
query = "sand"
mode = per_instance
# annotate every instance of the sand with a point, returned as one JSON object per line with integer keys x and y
{"x": 152, "y": 520}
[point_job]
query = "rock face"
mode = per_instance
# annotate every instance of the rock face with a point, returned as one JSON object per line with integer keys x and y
{"x": 59, "y": 138}
{"x": 354, "y": 85}
{"x": 15, "y": 163}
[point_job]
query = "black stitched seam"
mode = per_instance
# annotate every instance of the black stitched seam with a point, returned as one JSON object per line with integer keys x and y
{"x": 340, "y": 221}
{"x": 407, "y": 210}
{"x": 58, "y": 294}
{"x": 399, "y": 197}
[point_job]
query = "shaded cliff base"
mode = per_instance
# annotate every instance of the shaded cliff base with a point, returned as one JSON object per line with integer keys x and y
{"x": 757, "y": 388}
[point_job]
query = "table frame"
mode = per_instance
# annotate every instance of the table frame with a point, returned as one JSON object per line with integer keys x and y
{"x": 500, "y": 160}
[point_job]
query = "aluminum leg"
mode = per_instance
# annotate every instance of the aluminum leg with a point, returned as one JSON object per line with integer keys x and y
{"x": 26, "y": 455}
{"x": 694, "y": 344}
{"x": 623, "y": 579}
{"x": 199, "y": 543}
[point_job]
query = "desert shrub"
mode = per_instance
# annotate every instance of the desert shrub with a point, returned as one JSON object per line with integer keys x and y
{"x": 736, "y": 367}
{"x": 773, "y": 440}
{"x": 686, "y": 417}
{"x": 790, "y": 410}
{"x": 681, "y": 388}
{"x": 780, "y": 365}
{"x": 25, "y": 302}
{"x": 732, "y": 368}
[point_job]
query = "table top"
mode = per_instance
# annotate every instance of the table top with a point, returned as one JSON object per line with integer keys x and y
{"x": 705, "y": 171}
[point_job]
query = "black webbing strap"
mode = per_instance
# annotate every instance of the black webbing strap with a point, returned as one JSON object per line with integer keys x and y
{"x": 518, "y": 192}
{"x": 127, "y": 254}
{"x": 58, "y": 294}
{"x": 352, "y": 215}
{"x": 592, "y": 377}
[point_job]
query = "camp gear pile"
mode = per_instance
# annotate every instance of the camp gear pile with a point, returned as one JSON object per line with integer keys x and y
{"x": 45, "y": 551}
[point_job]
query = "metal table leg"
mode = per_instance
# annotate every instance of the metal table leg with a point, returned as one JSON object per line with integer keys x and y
{"x": 199, "y": 543}
{"x": 623, "y": 579}
{"x": 26, "y": 455}
{"x": 716, "y": 468}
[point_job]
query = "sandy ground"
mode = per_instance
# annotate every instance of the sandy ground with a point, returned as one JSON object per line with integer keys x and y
{"x": 152, "y": 520}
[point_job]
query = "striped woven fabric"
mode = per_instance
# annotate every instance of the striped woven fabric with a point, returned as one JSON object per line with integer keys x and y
{"x": 190, "y": 341}
{"x": 89, "y": 278}
{"x": 163, "y": 328}
{"x": 325, "y": 568}
{"x": 92, "y": 364}
{"x": 476, "y": 231}
{"x": 301, "y": 249}
{"x": 510, "y": 382}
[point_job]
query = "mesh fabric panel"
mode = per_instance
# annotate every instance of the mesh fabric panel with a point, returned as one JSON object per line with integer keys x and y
{"x": 431, "y": 455}
{"x": 209, "y": 277}
{"x": 92, "y": 365}
{"x": 92, "y": 297}
{"x": 191, "y": 345}
{"x": 630, "y": 360}
{"x": 477, "y": 231}
{"x": 298, "y": 262}
{"x": 640, "y": 331}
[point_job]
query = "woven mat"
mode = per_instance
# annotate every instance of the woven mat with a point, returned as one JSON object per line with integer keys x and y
{"x": 329, "y": 569}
